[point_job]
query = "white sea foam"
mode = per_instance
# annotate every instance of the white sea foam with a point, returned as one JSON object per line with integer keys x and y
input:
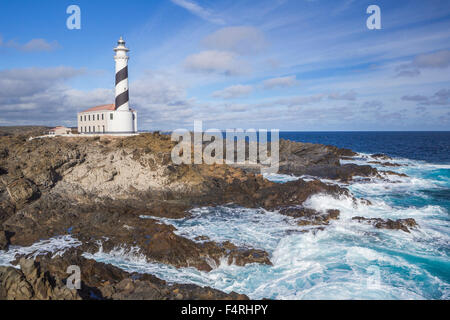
{"x": 349, "y": 260}
{"x": 56, "y": 246}
{"x": 338, "y": 263}
{"x": 364, "y": 158}
{"x": 261, "y": 228}
{"x": 280, "y": 178}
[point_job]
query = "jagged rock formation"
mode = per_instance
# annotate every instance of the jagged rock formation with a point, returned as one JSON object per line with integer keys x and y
{"x": 31, "y": 283}
{"x": 400, "y": 224}
{"x": 98, "y": 189}
{"x": 45, "y": 279}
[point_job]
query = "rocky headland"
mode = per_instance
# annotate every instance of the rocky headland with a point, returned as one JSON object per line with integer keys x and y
{"x": 98, "y": 189}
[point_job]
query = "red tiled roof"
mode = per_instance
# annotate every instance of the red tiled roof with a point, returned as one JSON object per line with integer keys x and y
{"x": 58, "y": 127}
{"x": 105, "y": 107}
{"x": 101, "y": 108}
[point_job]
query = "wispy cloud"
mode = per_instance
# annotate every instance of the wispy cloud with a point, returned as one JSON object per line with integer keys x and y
{"x": 34, "y": 45}
{"x": 435, "y": 60}
{"x": 350, "y": 96}
{"x": 213, "y": 61}
{"x": 232, "y": 92}
{"x": 440, "y": 98}
{"x": 280, "y": 82}
{"x": 199, "y": 11}
{"x": 241, "y": 40}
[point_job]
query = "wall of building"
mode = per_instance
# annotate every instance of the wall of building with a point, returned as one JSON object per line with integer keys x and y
{"x": 93, "y": 122}
{"x": 62, "y": 130}
{"x": 122, "y": 121}
{"x": 107, "y": 122}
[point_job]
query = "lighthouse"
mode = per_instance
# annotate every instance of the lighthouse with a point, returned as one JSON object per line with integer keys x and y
{"x": 117, "y": 118}
{"x": 121, "y": 59}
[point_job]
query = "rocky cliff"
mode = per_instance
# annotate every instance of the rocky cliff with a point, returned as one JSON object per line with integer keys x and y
{"x": 97, "y": 189}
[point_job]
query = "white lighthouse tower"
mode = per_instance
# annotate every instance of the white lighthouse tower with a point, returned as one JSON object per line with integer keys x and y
{"x": 117, "y": 118}
{"x": 121, "y": 59}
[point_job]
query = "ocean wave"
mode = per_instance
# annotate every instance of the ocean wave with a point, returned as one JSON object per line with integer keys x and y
{"x": 363, "y": 158}
{"x": 338, "y": 263}
{"x": 348, "y": 260}
{"x": 279, "y": 177}
{"x": 56, "y": 246}
{"x": 257, "y": 228}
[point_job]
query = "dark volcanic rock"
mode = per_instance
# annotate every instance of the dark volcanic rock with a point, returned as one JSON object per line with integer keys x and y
{"x": 254, "y": 192}
{"x": 385, "y": 164}
{"x": 394, "y": 173}
{"x": 74, "y": 205}
{"x": 30, "y": 283}
{"x": 341, "y": 172}
{"x": 51, "y": 216}
{"x": 4, "y": 239}
{"x": 308, "y": 217}
{"x": 399, "y": 224}
{"x": 102, "y": 281}
{"x": 320, "y": 161}
{"x": 96, "y": 189}
{"x": 381, "y": 156}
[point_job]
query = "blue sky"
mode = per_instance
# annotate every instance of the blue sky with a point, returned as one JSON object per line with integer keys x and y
{"x": 288, "y": 65}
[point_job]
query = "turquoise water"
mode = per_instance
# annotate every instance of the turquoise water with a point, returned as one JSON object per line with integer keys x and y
{"x": 348, "y": 260}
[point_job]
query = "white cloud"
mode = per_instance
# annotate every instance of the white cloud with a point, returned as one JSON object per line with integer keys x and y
{"x": 29, "y": 81}
{"x": 213, "y": 61}
{"x": 281, "y": 82}
{"x": 350, "y": 96}
{"x": 440, "y": 98}
{"x": 232, "y": 92}
{"x": 157, "y": 88}
{"x": 436, "y": 60}
{"x": 34, "y": 45}
{"x": 439, "y": 59}
{"x": 297, "y": 101}
{"x": 42, "y": 96}
{"x": 408, "y": 73}
{"x": 241, "y": 40}
{"x": 199, "y": 11}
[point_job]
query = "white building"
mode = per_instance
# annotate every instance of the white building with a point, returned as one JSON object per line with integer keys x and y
{"x": 59, "y": 130}
{"x": 115, "y": 118}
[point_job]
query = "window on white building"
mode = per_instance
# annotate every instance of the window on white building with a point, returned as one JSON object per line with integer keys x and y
{"x": 111, "y": 116}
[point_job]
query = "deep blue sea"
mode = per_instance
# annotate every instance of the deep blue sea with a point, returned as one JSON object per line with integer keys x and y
{"x": 347, "y": 260}
{"x": 433, "y": 147}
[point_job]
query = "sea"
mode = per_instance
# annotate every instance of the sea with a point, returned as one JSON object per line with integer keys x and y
{"x": 347, "y": 260}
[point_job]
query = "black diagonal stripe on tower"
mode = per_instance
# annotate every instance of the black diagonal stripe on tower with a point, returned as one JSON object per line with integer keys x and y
{"x": 122, "y": 75}
{"x": 122, "y": 99}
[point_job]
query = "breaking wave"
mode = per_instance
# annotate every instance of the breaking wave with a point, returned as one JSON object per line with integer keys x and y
{"x": 348, "y": 260}
{"x": 56, "y": 246}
